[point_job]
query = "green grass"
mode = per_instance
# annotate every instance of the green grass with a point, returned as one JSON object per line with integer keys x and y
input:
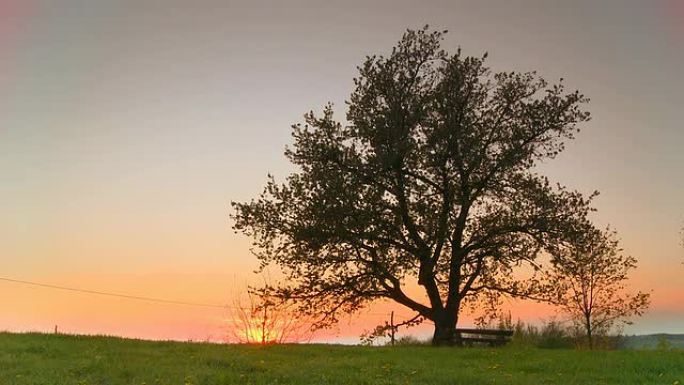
{"x": 60, "y": 359}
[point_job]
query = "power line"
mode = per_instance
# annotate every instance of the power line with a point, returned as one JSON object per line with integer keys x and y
{"x": 141, "y": 298}
{"x": 119, "y": 295}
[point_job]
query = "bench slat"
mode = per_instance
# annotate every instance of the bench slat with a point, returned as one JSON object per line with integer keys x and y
{"x": 491, "y": 341}
{"x": 507, "y": 333}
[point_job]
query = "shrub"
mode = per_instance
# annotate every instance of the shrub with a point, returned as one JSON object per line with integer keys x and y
{"x": 410, "y": 340}
{"x": 555, "y": 336}
{"x": 551, "y": 335}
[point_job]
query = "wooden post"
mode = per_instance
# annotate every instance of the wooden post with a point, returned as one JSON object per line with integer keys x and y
{"x": 392, "y": 328}
{"x": 56, "y": 332}
{"x": 263, "y": 327}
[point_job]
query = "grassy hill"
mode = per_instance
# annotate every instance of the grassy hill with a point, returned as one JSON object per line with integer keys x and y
{"x": 35, "y": 359}
{"x": 654, "y": 341}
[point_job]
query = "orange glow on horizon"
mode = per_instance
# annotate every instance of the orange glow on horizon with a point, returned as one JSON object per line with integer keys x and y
{"x": 37, "y": 309}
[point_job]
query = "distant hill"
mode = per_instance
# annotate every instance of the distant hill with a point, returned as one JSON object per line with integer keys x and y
{"x": 654, "y": 341}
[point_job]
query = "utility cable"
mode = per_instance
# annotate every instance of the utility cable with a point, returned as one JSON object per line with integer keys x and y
{"x": 138, "y": 297}
{"x": 135, "y": 297}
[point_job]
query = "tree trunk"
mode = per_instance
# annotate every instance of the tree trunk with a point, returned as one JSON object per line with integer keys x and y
{"x": 445, "y": 331}
{"x": 590, "y": 338}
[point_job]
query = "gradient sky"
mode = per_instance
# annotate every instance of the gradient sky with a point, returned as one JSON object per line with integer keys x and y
{"x": 127, "y": 127}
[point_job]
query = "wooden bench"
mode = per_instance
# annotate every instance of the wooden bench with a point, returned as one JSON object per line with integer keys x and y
{"x": 491, "y": 337}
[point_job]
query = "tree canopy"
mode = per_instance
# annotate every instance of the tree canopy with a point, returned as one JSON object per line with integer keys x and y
{"x": 430, "y": 180}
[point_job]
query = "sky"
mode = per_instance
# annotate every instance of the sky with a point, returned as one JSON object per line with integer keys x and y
{"x": 128, "y": 127}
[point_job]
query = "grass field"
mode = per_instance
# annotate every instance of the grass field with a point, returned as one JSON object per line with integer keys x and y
{"x": 33, "y": 359}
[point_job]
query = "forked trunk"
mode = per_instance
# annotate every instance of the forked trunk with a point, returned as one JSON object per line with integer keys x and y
{"x": 445, "y": 331}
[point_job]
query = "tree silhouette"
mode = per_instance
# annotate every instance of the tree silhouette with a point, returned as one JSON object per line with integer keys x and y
{"x": 587, "y": 280}
{"x": 259, "y": 320}
{"x": 431, "y": 181}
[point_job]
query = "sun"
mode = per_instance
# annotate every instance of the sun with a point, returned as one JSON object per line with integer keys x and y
{"x": 257, "y": 330}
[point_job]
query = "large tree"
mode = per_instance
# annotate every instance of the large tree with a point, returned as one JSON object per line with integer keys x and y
{"x": 430, "y": 180}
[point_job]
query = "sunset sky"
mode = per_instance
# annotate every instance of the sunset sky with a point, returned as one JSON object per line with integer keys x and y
{"x": 127, "y": 128}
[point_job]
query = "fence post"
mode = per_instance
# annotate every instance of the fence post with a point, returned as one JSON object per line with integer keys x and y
{"x": 392, "y": 328}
